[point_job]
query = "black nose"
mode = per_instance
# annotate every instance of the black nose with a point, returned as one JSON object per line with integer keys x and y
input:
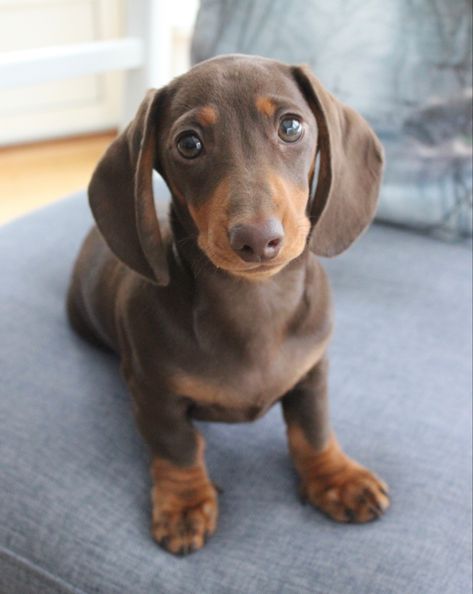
{"x": 257, "y": 242}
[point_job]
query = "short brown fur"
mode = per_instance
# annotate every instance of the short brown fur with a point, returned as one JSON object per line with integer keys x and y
{"x": 201, "y": 332}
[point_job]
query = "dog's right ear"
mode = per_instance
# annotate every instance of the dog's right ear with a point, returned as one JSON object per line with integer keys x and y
{"x": 121, "y": 195}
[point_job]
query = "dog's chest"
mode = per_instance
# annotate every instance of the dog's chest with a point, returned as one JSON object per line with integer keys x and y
{"x": 251, "y": 394}
{"x": 248, "y": 347}
{"x": 232, "y": 390}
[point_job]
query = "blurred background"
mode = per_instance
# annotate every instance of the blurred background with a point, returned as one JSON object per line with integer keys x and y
{"x": 73, "y": 71}
{"x": 53, "y": 133}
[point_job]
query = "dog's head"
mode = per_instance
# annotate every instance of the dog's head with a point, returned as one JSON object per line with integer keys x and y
{"x": 237, "y": 140}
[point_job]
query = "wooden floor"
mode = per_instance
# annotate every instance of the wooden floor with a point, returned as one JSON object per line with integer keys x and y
{"x": 36, "y": 174}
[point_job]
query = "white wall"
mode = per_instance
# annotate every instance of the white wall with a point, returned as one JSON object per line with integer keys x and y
{"x": 80, "y": 105}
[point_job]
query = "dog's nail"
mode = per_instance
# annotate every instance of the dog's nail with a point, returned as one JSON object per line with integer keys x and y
{"x": 376, "y": 511}
{"x": 349, "y": 514}
{"x": 377, "y": 506}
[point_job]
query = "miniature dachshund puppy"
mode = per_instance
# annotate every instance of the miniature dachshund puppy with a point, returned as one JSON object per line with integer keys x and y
{"x": 223, "y": 309}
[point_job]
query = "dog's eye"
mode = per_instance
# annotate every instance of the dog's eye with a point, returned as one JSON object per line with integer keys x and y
{"x": 189, "y": 145}
{"x": 290, "y": 129}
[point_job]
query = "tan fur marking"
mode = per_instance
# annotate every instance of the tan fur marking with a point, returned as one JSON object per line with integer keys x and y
{"x": 207, "y": 115}
{"x": 334, "y": 483}
{"x": 212, "y": 209}
{"x": 290, "y": 207}
{"x": 184, "y": 502}
{"x": 211, "y": 219}
{"x": 212, "y": 222}
{"x": 266, "y": 106}
{"x": 280, "y": 377}
{"x": 199, "y": 389}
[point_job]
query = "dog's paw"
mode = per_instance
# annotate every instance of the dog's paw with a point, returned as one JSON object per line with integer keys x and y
{"x": 182, "y": 528}
{"x": 350, "y": 494}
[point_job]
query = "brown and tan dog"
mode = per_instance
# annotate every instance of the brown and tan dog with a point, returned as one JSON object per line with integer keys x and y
{"x": 227, "y": 310}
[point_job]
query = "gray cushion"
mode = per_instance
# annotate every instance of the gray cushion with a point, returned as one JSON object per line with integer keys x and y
{"x": 74, "y": 497}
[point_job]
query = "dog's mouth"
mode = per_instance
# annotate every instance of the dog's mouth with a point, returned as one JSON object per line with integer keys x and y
{"x": 250, "y": 270}
{"x": 261, "y": 272}
{"x": 261, "y": 267}
{"x": 255, "y": 272}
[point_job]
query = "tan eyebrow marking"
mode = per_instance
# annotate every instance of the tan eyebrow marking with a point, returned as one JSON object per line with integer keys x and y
{"x": 207, "y": 115}
{"x": 265, "y": 105}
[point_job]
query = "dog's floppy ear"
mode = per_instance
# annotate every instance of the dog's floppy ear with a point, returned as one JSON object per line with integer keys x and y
{"x": 121, "y": 195}
{"x": 350, "y": 169}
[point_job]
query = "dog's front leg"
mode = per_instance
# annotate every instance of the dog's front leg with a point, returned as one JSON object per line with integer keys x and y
{"x": 184, "y": 500}
{"x": 330, "y": 480}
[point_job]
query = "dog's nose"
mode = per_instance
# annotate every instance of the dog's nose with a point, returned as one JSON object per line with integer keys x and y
{"x": 257, "y": 242}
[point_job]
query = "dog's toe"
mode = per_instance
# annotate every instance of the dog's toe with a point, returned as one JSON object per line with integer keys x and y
{"x": 353, "y": 494}
{"x": 185, "y": 530}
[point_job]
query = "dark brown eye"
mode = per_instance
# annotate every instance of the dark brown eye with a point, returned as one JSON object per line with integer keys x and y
{"x": 189, "y": 145}
{"x": 290, "y": 129}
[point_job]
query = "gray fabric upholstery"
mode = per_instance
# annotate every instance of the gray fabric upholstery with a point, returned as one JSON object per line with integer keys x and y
{"x": 74, "y": 484}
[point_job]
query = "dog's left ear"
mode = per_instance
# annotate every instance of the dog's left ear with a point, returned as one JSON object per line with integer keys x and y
{"x": 350, "y": 169}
